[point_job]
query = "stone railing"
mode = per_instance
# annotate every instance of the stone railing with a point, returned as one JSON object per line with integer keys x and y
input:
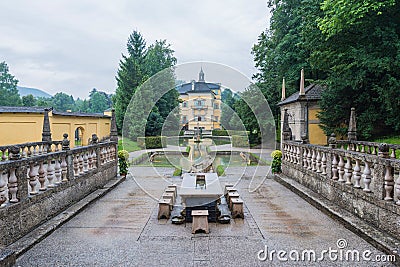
{"x": 368, "y": 147}
{"x": 26, "y": 150}
{"x": 36, "y": 186}
{"x": 363, "y": 178}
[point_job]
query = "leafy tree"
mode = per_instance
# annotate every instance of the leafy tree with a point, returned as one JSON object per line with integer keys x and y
{"x": 28, "y": 100}
{"x": 9, "y": 95}
{"x": 98, "y": 103}
{"x": 63, "y": 102}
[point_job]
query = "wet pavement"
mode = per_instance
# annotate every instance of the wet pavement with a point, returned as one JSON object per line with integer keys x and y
{"x": 121, "y": 229}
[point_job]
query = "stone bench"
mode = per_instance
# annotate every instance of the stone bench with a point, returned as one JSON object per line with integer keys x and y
{"x": 169, "y": 196}
{"x": 164, "y": 209}
{"x": 200, "y": 221}
{"x": 237, "y": 208}
{"x": 232, "y": 195}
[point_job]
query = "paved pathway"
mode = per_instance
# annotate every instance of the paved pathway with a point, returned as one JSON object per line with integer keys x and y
{"x": 121, "y": 229}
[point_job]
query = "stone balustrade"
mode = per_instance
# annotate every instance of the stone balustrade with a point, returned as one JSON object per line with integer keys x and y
{"x": 368, "y": 147}
{"x": 36, "y": 185}
{"x": 361, "y": 177}
{"x": 31, "y": 149}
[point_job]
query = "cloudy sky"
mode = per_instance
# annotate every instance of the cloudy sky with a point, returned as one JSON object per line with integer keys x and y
{"x": 75, "y": 45}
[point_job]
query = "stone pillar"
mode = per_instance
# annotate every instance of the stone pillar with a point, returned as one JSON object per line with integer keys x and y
{"x": 65, "y": 142}
{"x": 286, "y": 131}
{"x": 113, "y": 130}
{"x": 352, "y": 132}
{"x": 46, "y": 133}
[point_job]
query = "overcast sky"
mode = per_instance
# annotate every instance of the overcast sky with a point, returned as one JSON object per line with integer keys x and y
{"x": 74, "y": 46}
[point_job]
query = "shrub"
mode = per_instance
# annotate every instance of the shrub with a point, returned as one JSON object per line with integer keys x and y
{"x": 123, "y": 157}
{"x": 220, "y": 170}
{"x": 276, "y": 166}
{"x": 177, "y": 172}
{"x": 240, "y": 141}
{"x": 219, "y": 133}
{"x": 152, "y": 142}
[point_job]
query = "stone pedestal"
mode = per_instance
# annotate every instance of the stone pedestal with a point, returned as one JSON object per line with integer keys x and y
{"x": 164, "y": 209}
{"x": 231, "y": 196}
{"x": 237, "y": 208}
{"x": 170, "y": 196}
{"x": 200, "y": 221}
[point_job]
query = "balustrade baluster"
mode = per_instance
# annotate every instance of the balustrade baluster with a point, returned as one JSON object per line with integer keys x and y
{"x": 40, "y": 150}
{"x": 373, "y": 150}
{"x": 342, "y": 146}
{"x": 323, "y": 163}
{"x": 33, "y": 174}
{"x": 50, "y": 173}
{"x": 90, "y": 162}
{"x": 298, "y": 151}
{"x": 389, "y": 183}
{"x": 367, "y": 177}
{"x": 309, "y": 159}
{"x": 13, "y": 186}
{"x": 341, "y": 169}
{"x": 313, "y": 161}
{"x": 290, "y": 154}
{"x": 348, "y": 168}
{"x": 42, "y": 177}
{"x": 357, "y": 148}
{"x": 85, "y": 162}
{"x": 94, "y": 159}
{"x": 305, "y": 158}
{"x": 397, "y": 188}
{"x": 334, "y": 167}
{"x": 76, "y": 166}
{"x": 3, "y": 187}
{"x": 393, "y": 154}
{"x": 57, "y": 170}
{"x": 357, "y": 174}
{"x": 319, "y": 163}
{"x": 64, "y": 169}
{"x": 362, "y": 149}
{"x": 80, "y": 160}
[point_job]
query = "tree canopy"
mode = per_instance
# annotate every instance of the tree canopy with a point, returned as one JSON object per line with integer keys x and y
{"x": 352, "y": 47}
{"x": 9, "y": 95}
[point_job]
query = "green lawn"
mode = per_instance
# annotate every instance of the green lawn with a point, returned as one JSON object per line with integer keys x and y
{"x": 389, "y": 140}
{"x": 127, "y": 144}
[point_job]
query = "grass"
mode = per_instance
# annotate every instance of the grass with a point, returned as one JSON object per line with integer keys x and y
{"x": 389, "y": 140}
{"x": 128, "y": 145}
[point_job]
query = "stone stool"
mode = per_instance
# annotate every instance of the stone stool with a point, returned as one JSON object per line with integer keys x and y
{"x": 229, "y": 190}
{"x": 169, "y": 196}
{"x": 173, "y": 186}
{"x": 232, "y": 195}
{"x": 237, "y": 208}
{"x": 171, "y": 190}
{"x": 226, "y": 186}
{"x": 164, "y": 208}
{"x": 200, "y": 221}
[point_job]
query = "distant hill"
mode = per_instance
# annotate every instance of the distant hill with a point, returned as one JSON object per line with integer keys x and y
{"x": 23, "y": 91}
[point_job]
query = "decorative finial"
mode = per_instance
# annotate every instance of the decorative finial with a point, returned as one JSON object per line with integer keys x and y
{"x": 283, "y": 89}
{"x": 302, "y": 93}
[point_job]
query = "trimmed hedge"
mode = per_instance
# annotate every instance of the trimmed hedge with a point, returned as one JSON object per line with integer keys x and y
{"x": 219, "y": 132}
{"x": 240, "y": 141}
{"x": 152, "y": 142}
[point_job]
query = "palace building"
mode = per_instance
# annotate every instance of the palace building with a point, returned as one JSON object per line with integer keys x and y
{"x": 200, "y": 106}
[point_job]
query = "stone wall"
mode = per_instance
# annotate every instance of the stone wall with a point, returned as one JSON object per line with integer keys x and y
{"x": 365, "y": 184}
{"x": 35, "y": 188}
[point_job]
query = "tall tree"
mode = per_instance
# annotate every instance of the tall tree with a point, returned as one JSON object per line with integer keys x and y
{"x": 9, "y": 95}
{"x": 98, "y": 103}
{"x": 130, "y": 75}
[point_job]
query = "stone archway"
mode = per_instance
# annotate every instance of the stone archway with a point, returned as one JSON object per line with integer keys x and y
{"x": 79, "y": 136}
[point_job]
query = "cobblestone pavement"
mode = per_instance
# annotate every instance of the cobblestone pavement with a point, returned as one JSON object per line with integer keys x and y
{"x": 122, "y": 229}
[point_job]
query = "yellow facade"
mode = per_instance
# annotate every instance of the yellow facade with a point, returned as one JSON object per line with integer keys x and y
{"x": 201, "y": 109}
{"x": 22, "y": 127}
{"x": 316, "y": 134}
